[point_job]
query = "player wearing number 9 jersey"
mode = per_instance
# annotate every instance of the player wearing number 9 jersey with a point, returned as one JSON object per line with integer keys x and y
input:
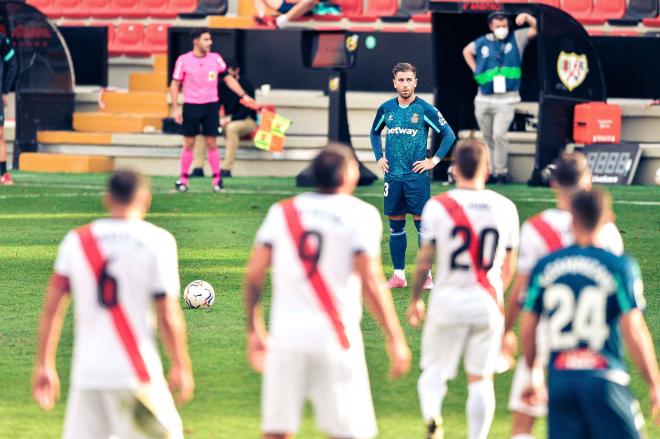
{"x": 474, "y": 233}
{"x": 324, "y": 251}
{"x": 540, "y": 235}
{"x": 122, "y": 273}
{"x": 590, "y": 297}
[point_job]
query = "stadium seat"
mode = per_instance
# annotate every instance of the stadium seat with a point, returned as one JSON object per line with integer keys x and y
{"x": 623, "y": 33}
{"x": 421, "y": 18}
{"x": 205, "y": 8}
{"x": 652, "y": 22}
{"x": 157, "y": 9}
{"x": 640, "y": 9}
{"x": 99, "y": 8}
{"x": 413, "y": 7}
{"x": 181, "y": 6}
{"x": 129, "y": 8}
{"x": 47, "y": 7}
{"x": 375, "y": 10}
{"x": 553, "y": 3}
{"x": 423, "y": 29}
{"x": 603, "y": 10}
{"x": 350, "y": 7}
{"x": 70, "y": 8}
{"x": 579, "y": 9}
{"x": 155, "y": 37}
{"x": 128, "y": 40}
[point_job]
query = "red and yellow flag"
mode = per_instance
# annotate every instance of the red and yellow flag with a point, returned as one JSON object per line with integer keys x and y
{"x": 272, "y": 131}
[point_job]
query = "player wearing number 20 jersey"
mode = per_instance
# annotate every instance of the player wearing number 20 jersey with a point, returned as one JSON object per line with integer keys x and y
{"x": 474, "y": 234}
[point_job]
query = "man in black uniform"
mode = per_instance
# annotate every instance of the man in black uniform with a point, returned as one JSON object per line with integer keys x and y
{"x": 8, "y": 69}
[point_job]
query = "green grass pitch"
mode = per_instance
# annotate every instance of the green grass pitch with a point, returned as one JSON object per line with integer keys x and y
{"x": 215, "y": 233}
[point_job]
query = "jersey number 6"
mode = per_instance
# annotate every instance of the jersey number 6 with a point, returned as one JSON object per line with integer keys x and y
{"x": 107, "y": 289}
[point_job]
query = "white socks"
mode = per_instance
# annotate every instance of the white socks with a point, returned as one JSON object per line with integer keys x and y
{"x": 401, "y": 274}
{"x": 432, "y": 390}
{"x": 282, "y": 21}
{"x": 480, "y": 408}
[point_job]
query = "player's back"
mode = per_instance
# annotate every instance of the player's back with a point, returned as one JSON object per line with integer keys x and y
{"x": 471, "y": 243}
{"x": 142, "y": 259}
{"x": 335, "y": 228}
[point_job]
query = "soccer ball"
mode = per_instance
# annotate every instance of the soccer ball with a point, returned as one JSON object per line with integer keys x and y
{"x": 199, "y": 294}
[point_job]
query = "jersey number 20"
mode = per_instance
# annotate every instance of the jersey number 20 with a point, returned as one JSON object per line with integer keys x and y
{"x": 485, "y": 261}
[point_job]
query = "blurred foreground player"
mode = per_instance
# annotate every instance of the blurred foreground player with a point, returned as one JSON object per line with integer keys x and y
{"x": 118, "y": 271}
{"x": 197, "y": 72}
{"x": 548, "y": 231}
{"x": 8, "y": 70}
{"x": 589, "y": 297}
{"x": 324, "y": 250}
{"x": 406, "y": 120}
{"x": 474, "y": 232}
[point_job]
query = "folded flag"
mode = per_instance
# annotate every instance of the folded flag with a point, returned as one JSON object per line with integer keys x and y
{"x": 272, "y": 131}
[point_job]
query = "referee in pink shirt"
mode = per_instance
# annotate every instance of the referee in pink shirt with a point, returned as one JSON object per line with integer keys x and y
{"x": 197, "y": 72}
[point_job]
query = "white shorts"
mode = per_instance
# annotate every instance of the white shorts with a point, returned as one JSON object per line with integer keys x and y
{"x": 478, "y": 340}
{"x": 336, "y": 384}
{"x": 522, "y": 376}
{"x": 100, "y": 414}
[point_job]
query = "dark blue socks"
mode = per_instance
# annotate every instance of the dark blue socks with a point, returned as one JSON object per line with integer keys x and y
{"x": 398, "y": 243}
{"x": 418, "y": 226}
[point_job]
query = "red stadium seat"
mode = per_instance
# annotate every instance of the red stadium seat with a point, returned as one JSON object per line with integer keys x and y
{"x": 181, "y": 6}
{"x": 327, "y": 17}
{"x": 553, "y": 3}
{"x": 394, "y": 29}
{"x": 128, "y": 40}
{"x": 609, "y": 9}
{"x": 652, "y": 22}
{"x": 366, "y": 29}
{"x": 350, "y": 7}
{"x": 129, "y": 8}
{"x": 376, "y": 9}
{"x": 99, "y": 8}
{"x": 423, "y": 29}
{"x": 579, "y": 9}
{"x": 157, "y": 9}
{"x": 421, "y": 18}
{"x": 155, "y": 37}
{"x": 71, "y": 8}
{"x": 47, "y": 7}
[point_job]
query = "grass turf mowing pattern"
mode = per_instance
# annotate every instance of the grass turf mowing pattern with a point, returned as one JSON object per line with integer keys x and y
{"x": 215, "y": 233}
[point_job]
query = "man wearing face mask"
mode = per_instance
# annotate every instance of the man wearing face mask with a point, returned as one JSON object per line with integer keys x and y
{"x": 495, "y": 60}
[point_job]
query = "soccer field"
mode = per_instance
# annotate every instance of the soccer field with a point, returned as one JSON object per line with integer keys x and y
{"x": 214, "y": 233}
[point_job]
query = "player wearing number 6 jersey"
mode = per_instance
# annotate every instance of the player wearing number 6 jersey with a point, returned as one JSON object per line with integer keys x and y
{"x": 589, "y": 297}
{"x": 324, "y": 250}
{"x": 542, "y": 234}
{"x": 474, "y": 232}
{"x": 118, "y": 270}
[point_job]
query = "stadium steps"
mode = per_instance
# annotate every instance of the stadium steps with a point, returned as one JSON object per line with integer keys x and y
{"x": 116, "y": 122}
{"x": 69, "y": 163}
{"x": 136, "y": 102}
{"x": 148, "y": 81}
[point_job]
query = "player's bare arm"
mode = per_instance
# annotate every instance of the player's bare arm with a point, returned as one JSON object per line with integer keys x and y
{"x": 529, "y": 20}
{"x": 379, "y": 302}
{"x": 535, "y": 392}
{"x": 416, "y": 308}
{"x": 234, "y": 86}
{"x": 640, "y": 344}
{"x": 175, "y": 86}
{"x": 509, "y": 345}
{"x": 256, "y": 328}
{"x": 469, "y": 57}
{"x": 172, "y": 327}
{"x": 46, "y": 383}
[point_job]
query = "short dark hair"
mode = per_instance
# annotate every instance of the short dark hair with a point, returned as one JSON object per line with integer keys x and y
{"x": 569, "y": 169}
{"x": 329, "y": 166}
{"x": 497, "y": 15}
{"x": 468, "y": 155}
{"x": 231, "y": 63}
{"x": 591, "y": 208}
{"x": 198, "y": 32}
{"x": 403, "y": 67}
{"x": 124, "y": 184}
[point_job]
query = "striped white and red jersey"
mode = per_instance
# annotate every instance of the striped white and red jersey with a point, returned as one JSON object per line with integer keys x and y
{"x": 333, "y": 227}
{"x": 551, "y": 230}
{"x": 471, "y": 242}
{"x": 142, "y": 258}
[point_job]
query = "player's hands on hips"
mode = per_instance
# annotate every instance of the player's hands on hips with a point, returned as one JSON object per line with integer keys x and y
{"x": 400, "y": 356}
{"x": 416, "y": 312}
{"x": 5, "y": 100}
{"x": 248, "y": 101}
{"x": 178, "y": 115}
{"x": 384, "y": 165}
{"x": 654, "y": 396}
{"x": 181, "y": 382}
{"x": 256, "y": 350}
{"x": 423, "y": 165}
{"x": 46, "y": 387}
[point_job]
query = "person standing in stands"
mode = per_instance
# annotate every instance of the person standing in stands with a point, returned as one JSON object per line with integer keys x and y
{"x": 8, "y": 69}
{"x": 198, "y": 71}
{"x": 238, "y": 120}
{"x": 290, "y": 10}
{"x": 495, "y": 60}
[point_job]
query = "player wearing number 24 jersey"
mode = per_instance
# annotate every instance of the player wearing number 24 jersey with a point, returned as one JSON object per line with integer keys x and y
{"x": 324, "y": 250}
{"x": 589, "y": 297}
{"x": 474, "y": 233}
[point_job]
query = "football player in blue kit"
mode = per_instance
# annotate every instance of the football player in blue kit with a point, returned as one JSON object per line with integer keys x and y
{"x": 406, "y": 120}
{"x": 590, "y": 297}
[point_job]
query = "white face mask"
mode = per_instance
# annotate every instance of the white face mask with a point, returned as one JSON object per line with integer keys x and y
{"x": 501, "y": 33}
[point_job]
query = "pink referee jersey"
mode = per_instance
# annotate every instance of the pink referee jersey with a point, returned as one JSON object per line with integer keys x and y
{"x": 199, "y": 77}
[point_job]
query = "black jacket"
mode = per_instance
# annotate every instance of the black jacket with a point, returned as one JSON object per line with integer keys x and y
{"x": 231, "y": 101}
{"x": 8, "y": 65}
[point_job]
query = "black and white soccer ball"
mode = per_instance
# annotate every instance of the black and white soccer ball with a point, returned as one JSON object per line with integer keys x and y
{"x": 199, "y": 294}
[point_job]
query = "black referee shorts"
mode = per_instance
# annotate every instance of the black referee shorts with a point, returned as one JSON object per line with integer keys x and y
{"x": 200, "y": 119}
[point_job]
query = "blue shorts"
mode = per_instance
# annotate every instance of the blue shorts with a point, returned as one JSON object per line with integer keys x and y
{"x": 582, "y": 405}
{"x": 406, "y": 196}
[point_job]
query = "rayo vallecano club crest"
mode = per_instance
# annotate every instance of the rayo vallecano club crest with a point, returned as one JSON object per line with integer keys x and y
{"x": 572, "y": 69}
{"x": 414, "y": 118}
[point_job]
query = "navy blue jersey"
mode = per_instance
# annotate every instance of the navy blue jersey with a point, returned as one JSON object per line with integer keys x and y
{"x": 406, "y": 135}
{"x": 583, "y": 291}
